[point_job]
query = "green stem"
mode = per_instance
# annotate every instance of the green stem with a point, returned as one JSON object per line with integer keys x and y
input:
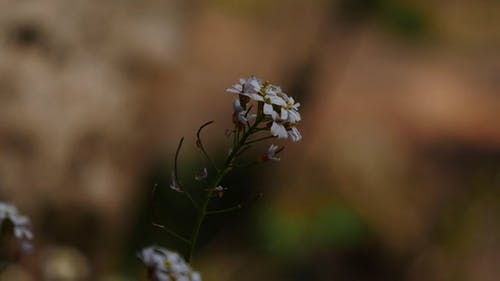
{"x": 190, "y": 197}
{"x": 259, "y": 139}
{"x": 227, "y": 210}
{"x": 203, "y": 213}
{"x": 238, "y": 144}
{"x": 172, "y": 233}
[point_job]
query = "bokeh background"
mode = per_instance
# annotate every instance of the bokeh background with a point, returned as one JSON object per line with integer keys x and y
{"x": 397, "y": 177}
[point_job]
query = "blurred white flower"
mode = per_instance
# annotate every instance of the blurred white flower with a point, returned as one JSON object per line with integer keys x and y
{"x": 165, "y": 265}
{"x": 20, "y": 224}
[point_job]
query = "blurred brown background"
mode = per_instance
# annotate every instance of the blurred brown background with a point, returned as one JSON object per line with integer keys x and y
{"x": 397, "y": 177}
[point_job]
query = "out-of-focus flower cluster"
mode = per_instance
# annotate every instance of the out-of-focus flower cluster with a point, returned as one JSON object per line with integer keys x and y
{"x": 165, "y": 265}
{"x": 13, "y": 223}
{"x": 15, "y": 232}
{"x": 278, "y": 110}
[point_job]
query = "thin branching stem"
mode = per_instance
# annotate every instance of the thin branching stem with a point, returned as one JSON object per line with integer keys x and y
{"x": 176, "y": 160}
{"x": 200, "y": 145}
{"x": 238, "y": 144}
{"x": 234, "y": 208}
{"x": 190, "y": 197}
{"x": 160, "y": 226}
{"x": 172, "y": 233}
{"x": 242, "y": 150}
{"x": 176, "y": 175}
{"x": 260, "y": 139}
{"x": 226, "y": 210}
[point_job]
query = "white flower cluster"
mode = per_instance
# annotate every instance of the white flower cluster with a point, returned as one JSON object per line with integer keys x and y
{"x": 19, "y": 224}
{"x": 165, "y": 265}
{"x": 277, "y": 108}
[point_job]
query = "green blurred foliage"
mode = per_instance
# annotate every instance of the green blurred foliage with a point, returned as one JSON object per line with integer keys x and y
{"x": 399, "y": 16}
{"x": 287, "y": 234}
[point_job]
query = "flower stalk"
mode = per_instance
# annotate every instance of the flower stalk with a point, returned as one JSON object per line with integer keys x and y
{"x": 203, "y": 212}
{"x": 260, "y": 107}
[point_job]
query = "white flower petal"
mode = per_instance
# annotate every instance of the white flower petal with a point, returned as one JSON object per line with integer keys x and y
{"x": 279, "y": 130}
{"x": 293, "y": 116}
{"x": 256, "y": 97}
{"x": 277, "y": 100}
{"x": 294, "y": 134}
{"x": 268, "y": 109}
{"x": 284, "y": 114}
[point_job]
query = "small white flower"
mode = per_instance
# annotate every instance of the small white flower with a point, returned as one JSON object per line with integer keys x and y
{"x": 165, "y": 265}
{"x": 275, "y": 107}
{"x": 272, "y": 153}
{"x": 290, "y": 112}
{"x": 294, "y": 134}
{"x": 256, "y": 90}
{"x": 219, "y": 188}
{"x": 219, "y": 191}
{"x": 202, "y": 175}
{"x": 175, "y": 184}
